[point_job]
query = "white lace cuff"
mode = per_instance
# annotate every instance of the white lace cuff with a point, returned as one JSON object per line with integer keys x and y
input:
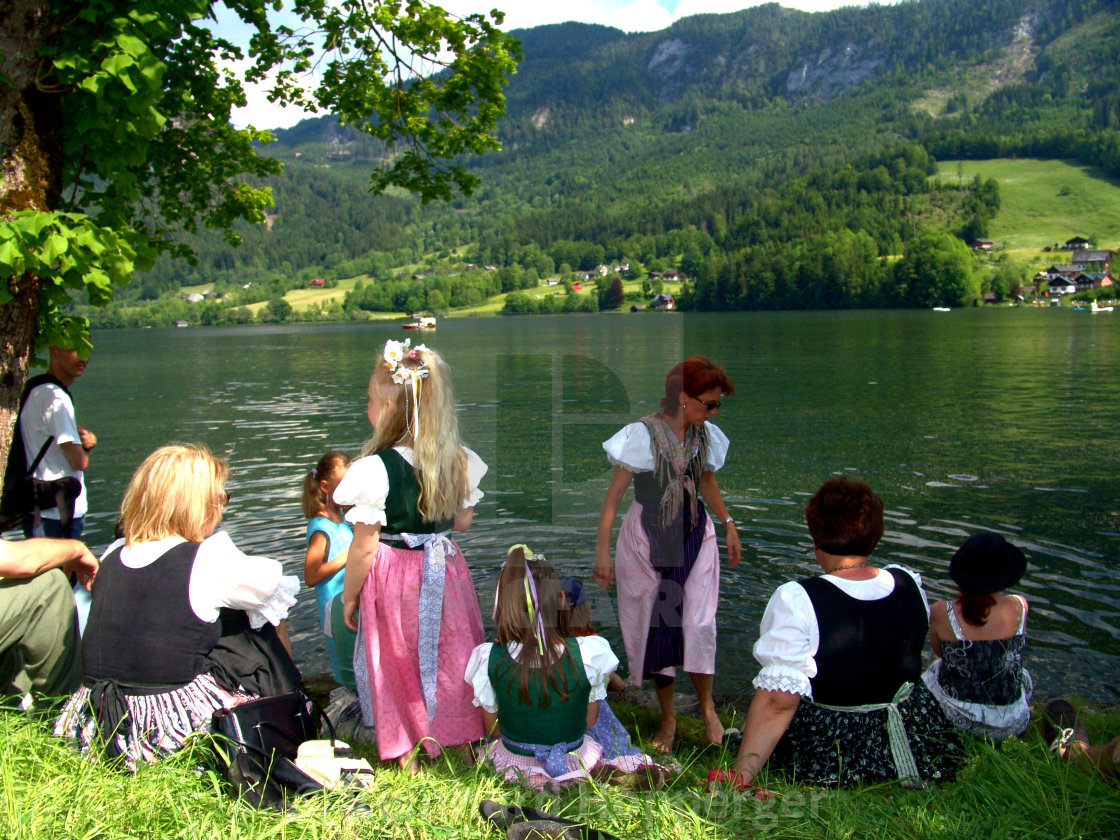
{"x": 783, "y": 678}
{"x": 366, "y": 515}
{"x": 276, "y": 608}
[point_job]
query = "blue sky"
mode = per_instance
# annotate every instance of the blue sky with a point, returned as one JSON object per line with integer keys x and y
{"x": 627, "y": 15}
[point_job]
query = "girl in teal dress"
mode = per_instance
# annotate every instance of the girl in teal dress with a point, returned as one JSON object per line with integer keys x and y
{"x": 324, "y": 565}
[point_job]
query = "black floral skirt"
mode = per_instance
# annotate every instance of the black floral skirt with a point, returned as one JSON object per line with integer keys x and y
{"x": 837, "y": 749}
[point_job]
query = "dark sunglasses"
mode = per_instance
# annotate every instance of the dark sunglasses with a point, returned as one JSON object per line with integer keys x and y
{"x": 711, "y": 406}
{"x": 225, "y": 500}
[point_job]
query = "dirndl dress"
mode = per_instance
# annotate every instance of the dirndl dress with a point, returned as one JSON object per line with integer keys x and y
{"x": 667, "y": 567}
{"x": 141, "y": 600}
{"x": 555, "y": 766}
{"x": 982, "y": 686}
{"x": 419, "y": 616}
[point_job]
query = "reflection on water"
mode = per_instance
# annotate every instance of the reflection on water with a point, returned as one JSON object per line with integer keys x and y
{"x": 1003, "y": 420}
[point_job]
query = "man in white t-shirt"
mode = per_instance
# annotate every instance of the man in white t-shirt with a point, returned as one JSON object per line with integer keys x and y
{"x": 48, "y": 411}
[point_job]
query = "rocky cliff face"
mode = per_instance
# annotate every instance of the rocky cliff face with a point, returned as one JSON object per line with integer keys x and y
{"x": 833, "y": 71}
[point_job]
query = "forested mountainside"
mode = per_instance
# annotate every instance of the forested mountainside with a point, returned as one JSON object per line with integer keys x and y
{"x": 776, "y": 157}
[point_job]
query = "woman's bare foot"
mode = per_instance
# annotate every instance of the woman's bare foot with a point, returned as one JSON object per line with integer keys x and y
{"x": 663, "y": 740}
{"x": 713, "y": 726}
{"x": 409, "y": 762}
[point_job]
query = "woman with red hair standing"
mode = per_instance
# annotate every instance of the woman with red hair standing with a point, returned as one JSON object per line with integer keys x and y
{"x": 667, "y": 555}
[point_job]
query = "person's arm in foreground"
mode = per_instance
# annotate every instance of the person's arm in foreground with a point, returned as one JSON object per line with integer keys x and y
{"x": 28, "y": 558}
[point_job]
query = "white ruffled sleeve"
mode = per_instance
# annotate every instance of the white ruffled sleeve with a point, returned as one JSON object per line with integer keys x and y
{"x": 599, "y": 662}
{"x": 476, "y": 469}
{"x": 718, "y": 444}
{"x": 788, "y": 642}
{"x": 630, "y": 448}
{"x": 364, "y": 489}
{"x": 224, "y": 576}
{"x": 478, "y": 675}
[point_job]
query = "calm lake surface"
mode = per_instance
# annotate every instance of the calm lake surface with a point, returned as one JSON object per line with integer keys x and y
{"x": 975, "y": 419}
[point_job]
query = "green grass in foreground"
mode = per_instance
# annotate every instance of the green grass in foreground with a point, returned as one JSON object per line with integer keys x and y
{"x": 48, "y": 791}
{"x": 1043, "y": 202}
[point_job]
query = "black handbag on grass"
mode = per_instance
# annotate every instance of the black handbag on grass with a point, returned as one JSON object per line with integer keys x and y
{"x": 258, "y": 741}
{"x": 279, "y": 723}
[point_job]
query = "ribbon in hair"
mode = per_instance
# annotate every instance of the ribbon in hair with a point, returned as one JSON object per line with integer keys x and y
{"x": 531, "y": 604}
{"x": 394, "y": 355}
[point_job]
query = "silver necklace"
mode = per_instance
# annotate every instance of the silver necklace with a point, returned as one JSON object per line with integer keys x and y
{"x": 845, "y": 568}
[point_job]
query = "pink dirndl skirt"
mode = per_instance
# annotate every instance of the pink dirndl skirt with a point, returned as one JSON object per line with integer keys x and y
{"x": 637, "y": 593}
{"x": 390, "y": 631}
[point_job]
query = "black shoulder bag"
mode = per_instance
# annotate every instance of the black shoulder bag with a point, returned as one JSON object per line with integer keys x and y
{"x": 262, "y": 738}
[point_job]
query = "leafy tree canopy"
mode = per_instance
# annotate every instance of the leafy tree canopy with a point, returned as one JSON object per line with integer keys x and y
{"x": 115, "y": 131}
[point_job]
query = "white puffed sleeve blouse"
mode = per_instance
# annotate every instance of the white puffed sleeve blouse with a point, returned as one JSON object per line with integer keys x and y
{"x": 599, "y": 662}
{"x": 790, "y": 636}
{"x": 366, "y": 486}
{"x": 224, "y": 576}
{"x": 631, "y": 448}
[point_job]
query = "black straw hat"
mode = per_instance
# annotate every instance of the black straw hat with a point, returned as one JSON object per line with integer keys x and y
{"x": 987, "y": 563}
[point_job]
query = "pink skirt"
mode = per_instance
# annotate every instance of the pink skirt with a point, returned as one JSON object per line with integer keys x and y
{"x": 637, "y": 594}
{"x": 390, "y": 630}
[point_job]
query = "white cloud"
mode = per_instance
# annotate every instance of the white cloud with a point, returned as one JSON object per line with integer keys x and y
{"x": 627, "y": 15}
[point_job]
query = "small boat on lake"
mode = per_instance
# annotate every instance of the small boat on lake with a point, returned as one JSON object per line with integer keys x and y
{"x": 1095, "y": 308}
{"x": 942, "y": 309}
{"x": 420, "y": 322}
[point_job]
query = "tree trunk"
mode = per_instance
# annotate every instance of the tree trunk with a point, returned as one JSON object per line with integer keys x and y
{"x": 29, "y": 179}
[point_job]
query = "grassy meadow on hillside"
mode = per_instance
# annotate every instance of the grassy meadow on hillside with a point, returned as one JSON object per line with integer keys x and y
{"x": 1045, "y": 202}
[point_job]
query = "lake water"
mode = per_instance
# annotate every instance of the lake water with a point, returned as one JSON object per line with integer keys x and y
{"x": 975, "y": 419}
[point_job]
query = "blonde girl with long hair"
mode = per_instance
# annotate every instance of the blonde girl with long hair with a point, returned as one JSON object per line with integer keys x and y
{"x": 414, "y": 485}
{"x": 182, "y": 622}
{"x": 541, "y": 693}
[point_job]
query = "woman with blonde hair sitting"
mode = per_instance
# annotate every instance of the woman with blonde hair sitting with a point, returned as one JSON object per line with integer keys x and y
{"x": 182, "y": 622}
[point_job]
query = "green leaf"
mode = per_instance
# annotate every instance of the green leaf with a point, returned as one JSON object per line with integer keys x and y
{"x": 11, "y": 259}
{"x": 53, "y": 247}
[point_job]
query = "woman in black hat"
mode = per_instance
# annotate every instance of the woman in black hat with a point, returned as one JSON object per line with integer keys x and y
{"x": 979, "y": 637}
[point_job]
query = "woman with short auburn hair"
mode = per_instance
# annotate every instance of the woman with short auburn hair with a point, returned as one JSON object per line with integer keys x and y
{"x": 839, "y": 700}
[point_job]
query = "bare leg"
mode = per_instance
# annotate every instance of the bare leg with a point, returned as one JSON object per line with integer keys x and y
{"x": 713, "y": 727}
{"x": 663, "y": 740}
{"x": 1106, "y": 758}
{"x": 410, "y": 762}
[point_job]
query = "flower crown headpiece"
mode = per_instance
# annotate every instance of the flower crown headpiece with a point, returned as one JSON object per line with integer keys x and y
{"x": 395, "y": 354}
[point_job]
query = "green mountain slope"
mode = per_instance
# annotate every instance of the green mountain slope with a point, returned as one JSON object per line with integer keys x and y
{"x": 721, "y": 144}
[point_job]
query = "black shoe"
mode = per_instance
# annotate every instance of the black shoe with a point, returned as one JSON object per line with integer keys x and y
{"x": 554, "y": 830}
{"x": 530, "y": 824}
